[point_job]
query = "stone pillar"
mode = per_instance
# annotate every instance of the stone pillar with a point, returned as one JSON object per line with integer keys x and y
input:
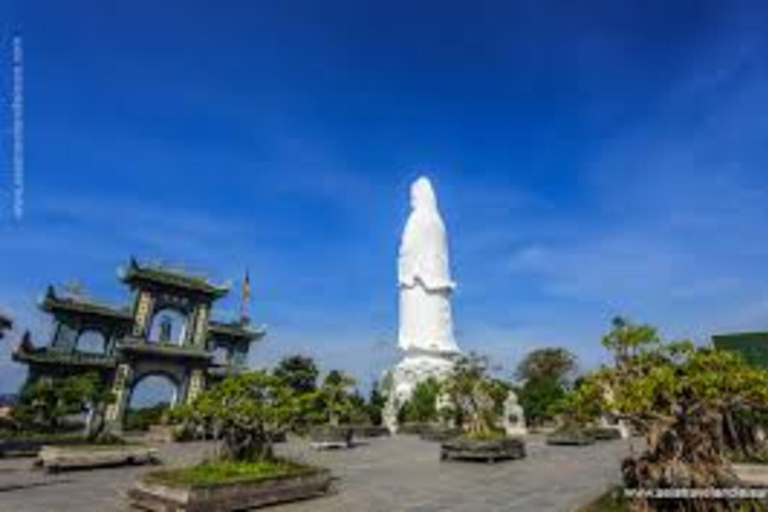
{"x": 196, "y": 384}
{"x": 143, "y": 315}
{"x": 201, "y": 326}
{"x": 120, "y": 391}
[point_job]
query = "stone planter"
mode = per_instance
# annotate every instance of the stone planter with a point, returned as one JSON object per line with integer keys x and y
{"x": 19, "y": 447}
{"x": 331, "y": 437}
{"x": 604, "y": 433}
{"x": 56, "y": 458}
{"x": 30, "y": 447}
{"x": 491, "y": 450}
{"x": 158, "y": 497}
{"x": 571, "y": 437}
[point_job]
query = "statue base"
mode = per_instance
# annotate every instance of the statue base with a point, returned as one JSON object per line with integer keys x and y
{"x": 415, "y": 367}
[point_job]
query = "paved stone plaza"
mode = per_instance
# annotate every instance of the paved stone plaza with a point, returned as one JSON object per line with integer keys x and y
{"x": 386, "y": 475}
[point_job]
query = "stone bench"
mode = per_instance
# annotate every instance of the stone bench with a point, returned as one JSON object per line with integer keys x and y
{"x": 57, "y": 458}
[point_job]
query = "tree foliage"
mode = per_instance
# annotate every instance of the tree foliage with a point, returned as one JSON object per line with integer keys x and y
{"x": 548, "y": 364}
{"x": 299, "y": 372}
{"x": 540, "y": 398}
{"x": 140, "y": 419}
{"x": 377, "y": 400}
{"x": 335, "y": 397}
{"x": 545, "y": 373}
{"x": 46, "y": 402}
{"x": 247, "y": 412}
{"x": 686, "y": 401}
{"x": 422, "y": 406}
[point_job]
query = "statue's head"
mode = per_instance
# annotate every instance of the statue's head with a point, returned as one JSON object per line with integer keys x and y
{"x": 422, "y": 194}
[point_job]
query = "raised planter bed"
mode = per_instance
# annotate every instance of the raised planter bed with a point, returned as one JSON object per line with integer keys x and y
{"x": 331, "y": 437}
{"x": 155, "y": 495}
{"x": 19, "y": 447}
{"x": 491, "y": 450}
{"x": 604, "y": 433}
{"x": 30, "y": 446}
{"x": 57, "y": 458}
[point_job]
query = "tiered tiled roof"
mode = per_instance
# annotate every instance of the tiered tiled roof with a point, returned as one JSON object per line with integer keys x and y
{"x": 238, "y": 330}
{"x": 167, "y": 276}
{"x": 52, "y": 302}
{"x": 45, "y": 355}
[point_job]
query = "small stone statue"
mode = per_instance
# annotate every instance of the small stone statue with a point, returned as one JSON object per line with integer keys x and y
{"x": 610, "y": 420}
{"x": 514, "y": 416}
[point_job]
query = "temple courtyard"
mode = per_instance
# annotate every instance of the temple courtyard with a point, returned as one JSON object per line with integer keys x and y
{"x": 395, "y": 474}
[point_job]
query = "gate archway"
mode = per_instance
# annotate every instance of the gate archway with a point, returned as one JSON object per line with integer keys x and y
{"x": 151, "y": 396}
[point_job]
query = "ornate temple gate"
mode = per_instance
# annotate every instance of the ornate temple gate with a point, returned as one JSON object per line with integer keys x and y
{"x": 167, "y": 331}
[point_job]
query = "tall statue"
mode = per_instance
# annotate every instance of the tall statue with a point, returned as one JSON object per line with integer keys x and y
{"x": 424, "y": 277}
{"x": 425, "y": 286}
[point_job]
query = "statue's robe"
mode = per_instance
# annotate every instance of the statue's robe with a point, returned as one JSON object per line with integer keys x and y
{"x": 426, "y": 322}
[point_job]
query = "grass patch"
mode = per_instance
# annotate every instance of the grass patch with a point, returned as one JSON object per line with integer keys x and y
{"x": 758, "y": 457}
{"x": 229, "y": 472}
{"x": 491, "y": 435}
{"x": 611, "y": 501}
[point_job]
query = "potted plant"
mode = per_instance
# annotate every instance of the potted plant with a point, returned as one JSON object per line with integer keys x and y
{"x": 472, "y": 393}
{"x": 247, "y": 413}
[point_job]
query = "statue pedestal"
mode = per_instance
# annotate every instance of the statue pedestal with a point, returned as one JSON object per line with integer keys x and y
{"x": 415, "y": 367}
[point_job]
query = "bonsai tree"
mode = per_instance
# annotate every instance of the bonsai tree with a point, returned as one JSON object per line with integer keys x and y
{"x": 247, "y": 413}
{"x": 682, "y": 397}
{"x": 472, "y": 393}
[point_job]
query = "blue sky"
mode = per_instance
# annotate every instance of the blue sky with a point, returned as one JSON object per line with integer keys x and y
{"x": 590, "y": 159}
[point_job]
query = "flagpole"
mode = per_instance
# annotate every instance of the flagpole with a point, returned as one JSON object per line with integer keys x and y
{"x": 245, "y": 298}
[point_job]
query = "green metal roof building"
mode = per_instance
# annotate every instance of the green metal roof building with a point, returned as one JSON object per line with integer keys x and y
{"x": 753, "y": 346}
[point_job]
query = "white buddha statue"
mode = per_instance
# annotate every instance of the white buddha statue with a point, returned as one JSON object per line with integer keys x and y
{"x": 424, "y": 277}
{"x": 425, "y": 286}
